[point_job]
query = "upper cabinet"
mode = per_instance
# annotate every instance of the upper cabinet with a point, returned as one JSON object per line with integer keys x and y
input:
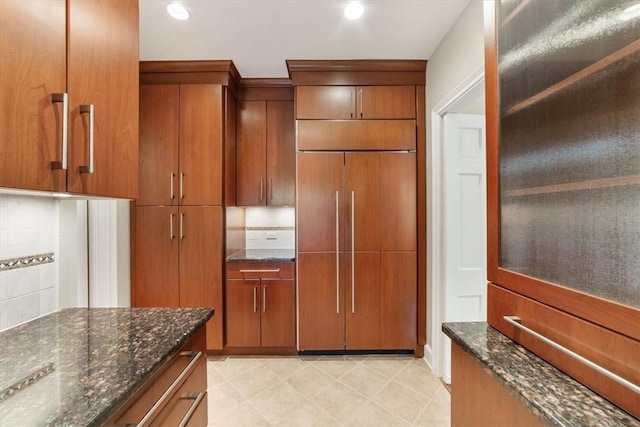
{"x": 68, "y": 120}
{"x": 265, "y": 153}
{"x": 181, "y": 157}
{"x": 564, "y": 184}
{"x": 355, "y": 102}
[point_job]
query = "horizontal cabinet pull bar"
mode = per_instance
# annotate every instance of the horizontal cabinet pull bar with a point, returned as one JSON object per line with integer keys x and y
{"x": 275, "y": 270}
{"x": 516, "y": 321}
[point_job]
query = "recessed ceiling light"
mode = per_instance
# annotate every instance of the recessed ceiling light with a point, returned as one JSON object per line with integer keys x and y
{"x": 353, "y": 10}
{"x": 630, "y": 12}
{"x": 178, "y": 11}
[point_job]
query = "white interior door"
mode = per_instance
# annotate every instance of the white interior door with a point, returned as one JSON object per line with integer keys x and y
{"x": 465, "y": 222}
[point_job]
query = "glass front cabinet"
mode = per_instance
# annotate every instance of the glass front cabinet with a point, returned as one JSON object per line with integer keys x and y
{"x": 563, "y": 133}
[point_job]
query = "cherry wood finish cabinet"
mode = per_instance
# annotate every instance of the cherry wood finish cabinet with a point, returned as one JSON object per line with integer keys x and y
{"x": 265, "y": 153}
{"x": 563, "y": 189}
{"x": 67, "y": 118}
{"x": 260, "y": 305}
{"x": 359, "y": 286}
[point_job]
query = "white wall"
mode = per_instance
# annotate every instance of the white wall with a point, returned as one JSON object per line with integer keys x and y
{"x": 28, "y": 284}
{"x": 459, "y": 54}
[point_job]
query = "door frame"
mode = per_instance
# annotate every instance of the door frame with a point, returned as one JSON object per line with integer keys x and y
{"x": 436, "y": 245}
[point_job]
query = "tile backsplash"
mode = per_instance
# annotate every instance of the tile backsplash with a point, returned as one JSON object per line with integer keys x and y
{"x": 270, "y": 228}
{"x": 29, "y": 241}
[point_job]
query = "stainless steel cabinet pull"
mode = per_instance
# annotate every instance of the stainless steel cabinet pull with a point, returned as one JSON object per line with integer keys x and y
{"x": 88, "y": 109}
{"x": 182, "y": 185}
{"x": 264, "y": 298}
{"x": 275, "y": 270}
{"x": 337, "y": 253}
{"x": 261, "y": 189}
{"x": 173, "y": 175}
{"x": 171, "y": 235}
{"x": 197, "y": 398}
{"x": 255, "y": 299}
{"x": 353, "y": 252}
{"x": 64, "y": 98}
{"x": 181, "y": 226}
{"x": 516, "y": 321}
{"x": 361, "y": 100}
{"x": 353, "y": 107}
{"x": 270, "y": 189}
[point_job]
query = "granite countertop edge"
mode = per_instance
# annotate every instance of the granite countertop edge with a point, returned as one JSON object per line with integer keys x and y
{"x": 262, "y": 255}
{"x": 520, "y": 386}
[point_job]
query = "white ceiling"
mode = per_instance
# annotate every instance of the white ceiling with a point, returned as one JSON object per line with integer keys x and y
{"x": 259, "y": 35}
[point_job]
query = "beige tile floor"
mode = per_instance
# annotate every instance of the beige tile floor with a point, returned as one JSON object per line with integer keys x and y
{"x": 325, "y": 391}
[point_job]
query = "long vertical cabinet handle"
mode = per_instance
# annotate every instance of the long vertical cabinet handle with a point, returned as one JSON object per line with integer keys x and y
{"x": 255, "y": 299}
{"x": 264, "y": 298}
{"x": 361, "y": 95}
{"x": 171, "y": 235}
{"x": 172, "y": 178}
{"x": 353, "y": 252}
{"x": 64, "y": 98}
{"x": 351, "y": 104}
{"x": 261, "y": 189}
{"x": 181, "y": 226}
{"x": 337, "y": 253}
{"x": 270, "y": 188}
{"x": 182, "y": 185}
{"x": 88, "y": 109}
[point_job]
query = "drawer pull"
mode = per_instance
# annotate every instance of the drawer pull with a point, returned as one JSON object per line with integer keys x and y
{"x": 159, "y": 405}
{"x": 275, "y": 270}
{"x": 516, "y": 321}
{"x": 197, "y": 398}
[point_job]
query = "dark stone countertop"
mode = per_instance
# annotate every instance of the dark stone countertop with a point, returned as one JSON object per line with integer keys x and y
{"x": 76, "y": 367}
{"x": 554, "y": 397}
{"x": 263, "y": 255}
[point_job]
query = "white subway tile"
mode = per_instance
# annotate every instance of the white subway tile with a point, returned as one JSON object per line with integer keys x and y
{"x": 48, "y": 275}
{"x": 48, "y": 301}
{"x": 16, "y": 311}
{"x": 20, "y": 282}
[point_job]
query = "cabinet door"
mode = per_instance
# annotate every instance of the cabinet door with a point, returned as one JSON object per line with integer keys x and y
{"x": 362, "y": 201}
{"x": 201, "y": 118}
{"x": 102, "y": 66}
{"x": 200, "y": 234}
{"x": 32, "y": 69}
{"x": 386, "y": 102}
{"x": 320, "y": 202}
{"x": 399, "y": 198}
{"x": 278, "y": 325}
{"x": 363, "y": 302}
{"x": 320, "y": 301}
{"x": 242, "y": 311}
{"x": 281, "y": 157}
{"x": 325, "y": 102}
{"x": 252, "y": 153}
{"x": 399, "y": 296}
{"x": 156, "y": 280}
{"x": 158, "y": 145}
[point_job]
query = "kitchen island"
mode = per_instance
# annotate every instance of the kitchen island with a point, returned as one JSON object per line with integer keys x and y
{"x": 83, "y": 367}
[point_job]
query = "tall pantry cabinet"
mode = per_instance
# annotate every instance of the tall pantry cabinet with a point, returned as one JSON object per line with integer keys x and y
{"x": 358, "y": 204}
{"x": 179, "y": 219}
{"x": 68, "y": 121}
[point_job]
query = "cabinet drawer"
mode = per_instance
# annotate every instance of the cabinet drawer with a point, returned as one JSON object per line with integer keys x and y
{"x": 261, "y": 270}
{"x": 185, "y": 374}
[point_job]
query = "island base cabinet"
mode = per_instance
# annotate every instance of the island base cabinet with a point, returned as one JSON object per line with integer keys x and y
{"x": 478, "y": 399}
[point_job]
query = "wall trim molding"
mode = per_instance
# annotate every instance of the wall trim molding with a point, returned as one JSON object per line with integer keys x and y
{"x": 26, "y": 261}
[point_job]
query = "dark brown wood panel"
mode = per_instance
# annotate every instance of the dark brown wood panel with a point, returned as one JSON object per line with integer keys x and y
{"x": 281, "y": 154}
{"x": 321, "y": 302}
{"x": 156, "y": 257}
{"x": 478, "y": 399}
{"x": 251, "y": 184}
{"x": 363, "y": 204}
{"x": 102, "y": 70}
{"x": 399, "y": 304}
{"x": 336, "y": 135}
{"x": 320, "y": 177}
{"x": 230, "y": 144}
{"x": 242, "y": 313}
{"x": 260, "y": 270}
{"x": 278, "y": 317}
{"x": 200, "y": 235}
{"x": 33, "y": 67}
{"x": 398, "y": 197}
{"x": 363, "y": 301}
{"x": 201, "y": 133}
{"x": 326, "y": 102}
{"x": 386, "y": 102}
{"x": 613, "y": 351}
{"x": 158, "y": 145}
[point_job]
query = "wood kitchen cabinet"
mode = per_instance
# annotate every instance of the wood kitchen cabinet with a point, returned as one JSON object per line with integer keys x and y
{"x": 176, "y": 249}
{"x": 355, "y": 102}
{"x": 265, "y": 153}
{"x": 260, "y": 305}
{"x": 357, "y": 250}
{"x": 181, "y": 144}
{"x": 562, "y": 230}
{"x": 68, "y": 120}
